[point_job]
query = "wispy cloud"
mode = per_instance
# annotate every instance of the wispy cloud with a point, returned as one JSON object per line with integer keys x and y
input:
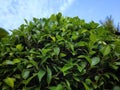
{"x": 66, "y": 4}
{"x": 13, "y": 12}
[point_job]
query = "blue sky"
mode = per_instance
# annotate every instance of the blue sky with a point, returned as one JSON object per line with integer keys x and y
{"x": 13, "y": 12}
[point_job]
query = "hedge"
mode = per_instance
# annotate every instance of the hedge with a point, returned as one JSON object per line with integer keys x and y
{"x": 60, "y": 53}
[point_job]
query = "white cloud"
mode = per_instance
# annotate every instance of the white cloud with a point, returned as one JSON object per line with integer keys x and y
{"x": 66, "y": 4}
{"x": 13, "y": 12}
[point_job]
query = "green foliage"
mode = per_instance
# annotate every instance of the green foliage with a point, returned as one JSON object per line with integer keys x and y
{"x": 3, "y": 33}
{"x": 108, "y": 24}
{"x": 60, "y": 53}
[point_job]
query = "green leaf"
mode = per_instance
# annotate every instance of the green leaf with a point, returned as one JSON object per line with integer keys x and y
{"x": 8, "y": 62}
{"x": 79, "y": 68}
{"x": 58, "y": 87}
{"x": 116, "y": 88}
{"x": 95, "y": 61}
{"x": 49, "y": 75}
{"x": 3, "y": 32}
{"x": 19, "y": 47}
{"x": 62, "y": 55}
{"x": 84, "y": 31}
{"x": 76, "y": 79}
{"x": 30, "y": 78}
{"x": 86, "y": 87}
{"x": 117, "y": 63}
{"x": 71, "y": 46}
{"x": 53, "y": 38}
{"x": 115, "y": 67}
{"x": 9, "y": 81}
{"x": 97, "y": 78}
{"x": 86, "y": 57}
{"x": 75, "y": 35}
{"x": 114, "y": 76}
{"x": 44, "y": 51}
{"x": 81, "y": 43}
{"x": 25, "y": 74}
{"x": 88, "y": 81}
{"x": 26, "y": 21}
{"x": 41, "y": 73}
{"x": 34, "y": 63}
{"x": 93, "y": 37}
{"x": 105, "y": 50}
{"x": 107, "y": 75}
{"x": 16, "y": 60}
{"x": 68, "y": 85}
{"x": 56, "y": 50}
{"x": 65, "y": 68}
{"x": 29, "y": 66}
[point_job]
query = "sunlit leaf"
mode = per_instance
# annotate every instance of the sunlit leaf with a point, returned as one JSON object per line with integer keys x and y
{"x": 19, "y": 47}
{"x": 58, "y": 87}
{"x": 117, "y": 63}
{"x": 86, "y": 86}
{"x": 25, "y": 74}
{"x": 53, "y": 38}
{"x": 93, "y": 37}
{"x": 68, "y": 85}
{"x": 9, "y": 81}
{"x": 65, "y": 68}
{"x": 56, "y": 50}
{"x": 62, "y": 54}
{"x": 16, "y": 60}
{"x": 41, "y": 73}
{"x": 86, "y": 57}
{"x": 8, "y": 62}
{"x": 95, "y": 61}
{"x": 106, "y": 50}
{"x": 34, "y": 63}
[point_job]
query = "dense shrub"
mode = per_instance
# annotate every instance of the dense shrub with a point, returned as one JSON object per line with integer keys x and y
{"x": 3, "y": 33}
{"x": 60, "y": 53}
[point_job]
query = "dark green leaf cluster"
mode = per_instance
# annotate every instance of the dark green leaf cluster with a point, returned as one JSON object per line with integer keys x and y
{"x": 3, "y": 33}
{"x": 60, "y": 53}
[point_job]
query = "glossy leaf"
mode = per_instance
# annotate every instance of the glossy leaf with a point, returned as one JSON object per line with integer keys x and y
{"x": 41, "y": 74}
{"x": 49, "y": 75}
{"x": 8, "y": 62}
{"x": 86, "y": 57}
{"x": 53, "y": 38}
{"x": 62, "y": 54}
{"x": 56, "y": 50}
{"x": 9, "y": 81}
{"x": 95, "y": 61}
{"x": 65, "y": 68}
{"x": 25, "y": 74}
{"x": 16, "y": 61}
{"x": 106, "y": 50}
{"x": 34, "y": 63}
{"x": 85, "y": 86}
{"x": 58, "y": 87}
{"x": 59, "y": 53}
{"x": 19, "y": 47}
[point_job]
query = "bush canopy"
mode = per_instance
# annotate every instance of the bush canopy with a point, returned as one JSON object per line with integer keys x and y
{"x": 60, "y": 53}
